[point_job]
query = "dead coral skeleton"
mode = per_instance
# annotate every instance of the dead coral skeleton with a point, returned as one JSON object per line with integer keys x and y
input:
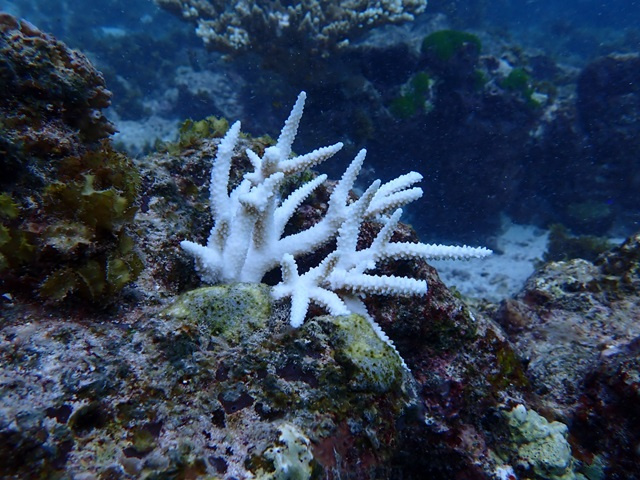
{"x": 248, "y": 240}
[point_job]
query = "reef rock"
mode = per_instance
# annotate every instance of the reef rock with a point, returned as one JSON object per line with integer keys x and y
{"x": 214, "y": 383}
{"x": 607, "y": 419}
{"x": 217, "y": 384}
{"x": 571, "y": 313}
{"x": 66, "y": 198}
{"x": 57, "y": 96}
{"x": 608, "y": 106}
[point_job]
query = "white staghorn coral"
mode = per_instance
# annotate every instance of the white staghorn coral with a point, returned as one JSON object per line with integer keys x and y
{"x": 247, "y": 239}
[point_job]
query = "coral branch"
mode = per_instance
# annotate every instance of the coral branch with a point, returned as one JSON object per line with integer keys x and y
{"x": 247, "y": 239}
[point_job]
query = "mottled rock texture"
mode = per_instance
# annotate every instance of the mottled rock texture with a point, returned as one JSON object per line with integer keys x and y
{"x": 201, "y": 389}
{"x": 576, "y": 327}
{"x": 66, "y": 197}
{"x": 56, "y": 95}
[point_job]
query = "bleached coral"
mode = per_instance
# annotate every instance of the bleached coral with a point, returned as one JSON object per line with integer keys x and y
{"x": 247, "y": 239}
{"x": 321, "y": 25}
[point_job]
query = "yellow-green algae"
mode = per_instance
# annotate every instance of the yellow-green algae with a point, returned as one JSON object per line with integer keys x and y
{"x": 232, "y": 346}
{"x": 540, "y": 446}
{"x": 230, "y": 311}
{"x": 70, "y": 235}
{"x": 12, "y": 242}
{"x": 373, "y": 364}
{"x": 193, "y": 132}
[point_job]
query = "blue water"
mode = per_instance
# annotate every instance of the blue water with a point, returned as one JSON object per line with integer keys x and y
{"x": 140, "y": 48}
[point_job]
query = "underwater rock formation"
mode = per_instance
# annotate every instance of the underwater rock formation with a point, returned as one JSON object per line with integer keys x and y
{"x": 575, "y": 324}
{"x": 608, "y": 106}
{"x": 454, "y": 401}
{"x": 594, "y": 129}
{"x": 569, "y": 315}
{"x": 66, "y": 197}
{"x": 215, "y": 385}
{"x": 607, "y": 420}
{"x": 219, "y": 384}
{"x": 57, "y": 96}
{"x": 463, "y": 114}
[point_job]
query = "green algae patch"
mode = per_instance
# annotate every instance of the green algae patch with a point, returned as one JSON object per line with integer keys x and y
{"x": 415, "y": 98}
{"x": 371, "y": 363}
{"x": 445, "y": 44}
{"x": 232, "y": 312}
{"x": 8, "y": 208}
{"x": 193, "y": 133}
{"x": 519, "y": 80}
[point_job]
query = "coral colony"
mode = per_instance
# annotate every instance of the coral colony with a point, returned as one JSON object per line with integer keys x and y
{"x": 321, "y": 24}
{"x": 247, "y": 239}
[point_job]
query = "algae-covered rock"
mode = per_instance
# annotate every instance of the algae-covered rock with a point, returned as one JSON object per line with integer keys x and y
{"x": 67, "y": 227}
{"x": 67, "y": 199}
{"x": 539, "y": 447}
{"x": 216, "y": 385}
{"x": 231, "y": 312}
{"x": 571, "y": 314}
{"x": 565, "y": 246}
{"x": 374, "y": 365}
{"x": 57, "y": 96}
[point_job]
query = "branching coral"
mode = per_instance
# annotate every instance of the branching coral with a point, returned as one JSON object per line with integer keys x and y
{"x": 313, "y": 25}
{"x": 248, "y": 240}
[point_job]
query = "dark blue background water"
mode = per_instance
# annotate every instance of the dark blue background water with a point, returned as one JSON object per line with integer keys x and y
{"x": 139, "y": 47}
{"x": 73, "y": 18}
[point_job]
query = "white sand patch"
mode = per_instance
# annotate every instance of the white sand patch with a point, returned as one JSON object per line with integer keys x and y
{"x": 137, "y": 137}
{"x": 504, "y": 273}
